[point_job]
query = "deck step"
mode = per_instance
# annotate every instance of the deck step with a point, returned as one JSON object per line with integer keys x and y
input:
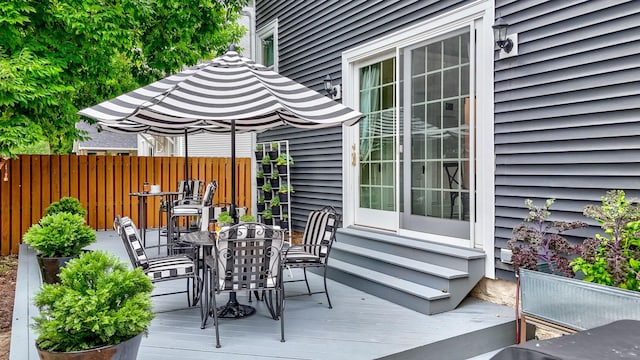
{"x": 424, "y": 276}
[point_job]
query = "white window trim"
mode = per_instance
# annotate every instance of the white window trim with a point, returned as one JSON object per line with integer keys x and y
{"x": 354, "y": 58}
{"x": 270, "y": 28}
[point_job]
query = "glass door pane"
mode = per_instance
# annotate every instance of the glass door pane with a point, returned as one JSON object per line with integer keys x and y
{"x": 438, "y": 131}
{"x": 377, "y": 136}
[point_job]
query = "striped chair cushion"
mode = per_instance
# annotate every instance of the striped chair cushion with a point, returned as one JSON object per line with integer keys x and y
{"x": 320, "y": 229}
{"x": 169, "y": 267}
{"x": 297, "y": 254}
{"x": 134, "y": 243}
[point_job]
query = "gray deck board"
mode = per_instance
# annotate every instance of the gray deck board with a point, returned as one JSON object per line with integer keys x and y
{"x": 360, "y": 326}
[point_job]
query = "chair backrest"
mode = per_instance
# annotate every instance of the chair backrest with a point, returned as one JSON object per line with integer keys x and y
{"x": 209, "y": 192}
{"x": 248, "y": 256}
{"x": 320, "y": 230}
{"x": 132, "y": 243}
{"x": 190, "y": 191}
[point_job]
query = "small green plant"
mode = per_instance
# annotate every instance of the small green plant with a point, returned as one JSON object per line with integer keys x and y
{"x": 98, "y": 302}
{"x": 285, "y": 188}
{"x": 259, "y": 147}
{"x": 66, "y": 204}
{"x": 266, "y": 187}
{"x": 266, "y": 159}
{"x": 540, "y": 241}
{"x": 225, "y": 218}
{"x": 260, "y": 174}
{"x": 247, "y": 218}
{"x": 613, "y": 258}
{"x": 267, "y": 214}
{"x": 284, "y": 159}
{"x": 274, "y": 146}
{"x": 261, "y": 200}
{"x": 60, "y": 235}
{"x": 275, "y": 201}
{"x": 285, "y": 217}
{"x": 275, "y": 175}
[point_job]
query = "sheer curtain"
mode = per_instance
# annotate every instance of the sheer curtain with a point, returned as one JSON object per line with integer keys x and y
{"x": 369, "y": 102}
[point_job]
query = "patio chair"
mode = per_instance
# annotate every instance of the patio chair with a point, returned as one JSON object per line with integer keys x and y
{"x": 190, "y": 192}
{"x": 193, "y": 209}
{"x": 319, "y": 235}
{"x": 246, "y": 257}
{"x": 163, "y": 268}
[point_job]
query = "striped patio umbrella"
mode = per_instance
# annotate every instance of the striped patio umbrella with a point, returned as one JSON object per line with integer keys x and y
{"x": 230, "y": 93}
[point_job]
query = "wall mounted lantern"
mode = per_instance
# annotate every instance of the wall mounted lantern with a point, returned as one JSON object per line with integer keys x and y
{"x": 332, "y": 90}
{"x": 508, "y": 44}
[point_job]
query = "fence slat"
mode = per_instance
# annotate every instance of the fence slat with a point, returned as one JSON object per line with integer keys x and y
{"x": 16, "y": 234}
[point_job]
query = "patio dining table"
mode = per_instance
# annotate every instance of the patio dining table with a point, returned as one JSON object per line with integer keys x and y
{"x": 169, "y": 197}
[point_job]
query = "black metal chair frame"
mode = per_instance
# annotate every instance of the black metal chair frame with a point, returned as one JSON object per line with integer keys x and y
{"x": 245, "y": 257}
{"x": 162, "y": 268}
{"x": 318, "y": 238}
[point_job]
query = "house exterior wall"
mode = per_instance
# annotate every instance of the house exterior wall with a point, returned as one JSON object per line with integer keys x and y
{"x": 311, "y": 38}
{"x": 567, "y": 109}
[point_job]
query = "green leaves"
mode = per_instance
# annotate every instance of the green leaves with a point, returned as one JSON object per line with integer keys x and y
{"x": 59, "y": 56}
{"x": 60, "y": 235}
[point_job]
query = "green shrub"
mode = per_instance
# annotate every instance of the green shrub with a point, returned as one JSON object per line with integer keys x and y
{"x": 225, "y": 218}
{"x": 613, "y": 258}
{"x": 66, "y": 204}
{"x": 98, "y": 302}
{"x": 247, "y": 218}
{"x": 60, "y": 235}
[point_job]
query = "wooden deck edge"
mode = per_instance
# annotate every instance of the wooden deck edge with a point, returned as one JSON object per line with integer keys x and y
{"x": 22, "y": 339}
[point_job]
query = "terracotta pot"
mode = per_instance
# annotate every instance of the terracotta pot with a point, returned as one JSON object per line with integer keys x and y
{"x": 50, "y": 267}
{"x": 126, "y": 350}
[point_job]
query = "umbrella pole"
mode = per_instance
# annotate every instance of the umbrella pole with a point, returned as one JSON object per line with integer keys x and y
{"x": 232, "y": 208}
{"x": 186, "y": 156}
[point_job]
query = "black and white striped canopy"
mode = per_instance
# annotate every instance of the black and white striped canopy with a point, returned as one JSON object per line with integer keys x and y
{"x": 209, "y": 96}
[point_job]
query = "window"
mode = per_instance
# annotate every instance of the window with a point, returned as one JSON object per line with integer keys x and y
{"x": 267, "y": 45}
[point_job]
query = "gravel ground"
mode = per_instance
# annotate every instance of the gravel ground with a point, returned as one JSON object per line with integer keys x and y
{"x": 8, "y": 270}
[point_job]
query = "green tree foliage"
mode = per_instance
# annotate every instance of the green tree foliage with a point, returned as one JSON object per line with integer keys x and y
{"x": 60, "y": 56}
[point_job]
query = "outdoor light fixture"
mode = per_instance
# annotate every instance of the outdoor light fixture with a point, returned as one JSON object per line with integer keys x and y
{"x": 333, "y": 91}
{"x": 500, "y": 34}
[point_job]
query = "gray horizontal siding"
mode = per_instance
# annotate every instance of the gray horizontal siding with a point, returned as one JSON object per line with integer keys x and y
{"x": 311, "y": 38}
{"x": 567, "y": 109}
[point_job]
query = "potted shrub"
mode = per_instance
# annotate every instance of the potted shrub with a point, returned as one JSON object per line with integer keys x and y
{"x": 57, "y": 238}
{"x": 99, "y": 304}
{"x": 273, "y": 153}
{"x": 267, "y": 217}
{"x": 539, "y": 244}
{"x": 284, "y": 191}
{"x": 274, "y": 204}
{"x": 266, "y": 164}
{"x": 261, "y": 204}
{"x": 275, "y": 179}
{"x": 282, "y": 162}
{"x": 247, "y": 218}
{"x": 224, "y": 219}
{"x": 66, "y": 204}
{"x": 613, "y": 258}
{"x": 260, "y": 177}
{"x": 266, "y": 191}
{"x": 259, "y": 151}
{"x": 284, "y": 223}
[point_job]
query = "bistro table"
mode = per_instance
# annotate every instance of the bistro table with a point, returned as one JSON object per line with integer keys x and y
{"x": 169, "y": 196}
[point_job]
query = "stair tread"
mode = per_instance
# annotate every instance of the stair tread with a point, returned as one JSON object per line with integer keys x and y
{"x": 421, "y": 266}
{"x": 423, "y": 245}
{"x": 390, "y": 281}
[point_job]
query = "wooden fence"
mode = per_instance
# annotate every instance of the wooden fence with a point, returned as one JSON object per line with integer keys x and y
{"x": 102, "y": 184}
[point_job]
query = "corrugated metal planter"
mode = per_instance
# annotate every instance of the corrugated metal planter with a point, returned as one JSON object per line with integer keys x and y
{"x": 575, "y": 303}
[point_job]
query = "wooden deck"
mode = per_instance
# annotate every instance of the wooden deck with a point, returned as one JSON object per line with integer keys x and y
{"x": 360, "y": 326}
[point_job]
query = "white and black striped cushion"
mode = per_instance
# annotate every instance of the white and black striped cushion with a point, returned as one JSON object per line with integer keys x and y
{"x": 169, "y": 267}
{"x": 134, "y": 242}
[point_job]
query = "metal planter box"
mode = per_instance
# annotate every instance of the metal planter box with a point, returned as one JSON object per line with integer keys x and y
{"x": 575, "y": 303}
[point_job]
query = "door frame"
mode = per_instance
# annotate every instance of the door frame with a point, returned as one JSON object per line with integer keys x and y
{"x": 353, "y": 58}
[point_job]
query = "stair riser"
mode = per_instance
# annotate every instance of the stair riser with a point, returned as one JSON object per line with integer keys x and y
{"x": 412, "y": 275}
{"x": 407, "y": 252}
{"x": 398, "y": 297}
